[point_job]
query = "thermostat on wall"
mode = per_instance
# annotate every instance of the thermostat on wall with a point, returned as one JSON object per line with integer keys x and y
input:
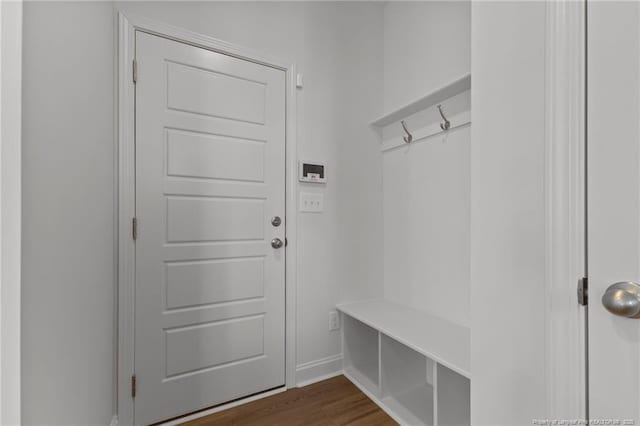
{"x": 312, "y": 172}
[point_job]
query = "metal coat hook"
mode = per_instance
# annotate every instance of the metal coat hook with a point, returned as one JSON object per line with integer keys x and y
{"x": 447, "y": 124}
{"x": 409, "y": 137}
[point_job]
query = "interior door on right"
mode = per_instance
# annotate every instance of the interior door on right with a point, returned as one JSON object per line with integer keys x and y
{"x": 613, "y": 149}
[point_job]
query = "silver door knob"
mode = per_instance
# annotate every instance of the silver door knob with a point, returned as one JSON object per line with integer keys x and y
{"x": 623, "y": 299}
{"x": 276, "y": 243}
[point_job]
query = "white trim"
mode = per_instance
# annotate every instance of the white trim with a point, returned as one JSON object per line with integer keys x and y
{"x": 291, "y": 224}
{"x": 114, "y": 421}
{"x": 449, "y": 90}
{"x": 204, "y": 413}
{"x": 434, "y": 384}
{"x": 321, "y": 378}
{"x": 318, "y": 370}
{"x": 126, "y": 211}
{"x": 210, "y": 43}
{"x": 126, "y": 207}
{"x": 565, "y": 214}
{"x": 10, "y": 209}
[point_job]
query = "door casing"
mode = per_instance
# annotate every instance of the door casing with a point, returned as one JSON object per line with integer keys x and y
{"x": 11, "y": 30}
{"x": 125, "y": 172}
{"x": 565, "y": 213}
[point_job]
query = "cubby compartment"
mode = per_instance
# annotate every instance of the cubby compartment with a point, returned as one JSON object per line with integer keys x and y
{"x": 407, "y": 382}
{"x": 453, "y": 398}
{"x": 360, "y": 346}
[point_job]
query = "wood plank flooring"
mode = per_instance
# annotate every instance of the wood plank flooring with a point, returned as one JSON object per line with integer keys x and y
{"x": 332, "y": 402}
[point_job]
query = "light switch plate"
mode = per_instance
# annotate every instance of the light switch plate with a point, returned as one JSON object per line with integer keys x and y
{"x": 311, "y": 202}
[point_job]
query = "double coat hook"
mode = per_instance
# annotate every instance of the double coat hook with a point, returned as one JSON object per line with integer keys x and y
{"x": 445, "y": 125}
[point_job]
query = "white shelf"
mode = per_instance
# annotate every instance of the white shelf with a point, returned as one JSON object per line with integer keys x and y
{"x": 436, "y": 338}
{"x": 455, "y": 87}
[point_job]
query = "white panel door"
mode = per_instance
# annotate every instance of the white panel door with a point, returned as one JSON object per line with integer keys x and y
{"x": 210, "y": 175}
{"x": 614, "y": 207}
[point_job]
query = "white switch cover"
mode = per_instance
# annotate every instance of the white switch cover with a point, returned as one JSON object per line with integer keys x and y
{"x": 311, "y": 202}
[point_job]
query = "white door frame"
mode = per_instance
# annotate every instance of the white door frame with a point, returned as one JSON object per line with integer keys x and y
{"x": 126, "y": 191}
{"x": 10, "y": 209}
{"x": 565, "y": 328}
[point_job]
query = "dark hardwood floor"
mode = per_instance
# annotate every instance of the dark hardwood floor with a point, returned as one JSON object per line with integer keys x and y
{"x": 331, "y": 402}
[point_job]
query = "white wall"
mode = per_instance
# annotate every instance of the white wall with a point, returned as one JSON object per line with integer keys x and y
{"x": 69, "y": 220}
{"x": 427, "y": 184}
{"x": 68, "y": 214}
{"x": 426, "y": 45}
{"x": 508, "y": 213}
{"x": 10, "y": 179}
{"x": 426, "y": 225}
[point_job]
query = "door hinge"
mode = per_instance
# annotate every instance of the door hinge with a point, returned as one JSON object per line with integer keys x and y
{"x": 134, "y": 228}
{"x": 583, "y": 291}
{"x": 133, "y": 386}
{"x": 135, "y": 71}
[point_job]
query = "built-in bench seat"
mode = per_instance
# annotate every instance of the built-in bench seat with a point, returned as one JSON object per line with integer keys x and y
{"x": 413, "y": 364}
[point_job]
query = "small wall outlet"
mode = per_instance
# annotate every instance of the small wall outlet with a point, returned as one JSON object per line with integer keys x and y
{"x": 311, "y": 202}
{"x": 334, "y": 321}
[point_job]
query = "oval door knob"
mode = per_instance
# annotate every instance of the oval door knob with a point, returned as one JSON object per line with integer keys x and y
{"x": 276, "y": 243}
{"x": 623, "y": 299}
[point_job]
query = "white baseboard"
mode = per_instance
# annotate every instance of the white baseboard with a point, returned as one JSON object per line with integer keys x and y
{"x": 318, "y": 370}
{"x": 114, "y": 420}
